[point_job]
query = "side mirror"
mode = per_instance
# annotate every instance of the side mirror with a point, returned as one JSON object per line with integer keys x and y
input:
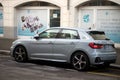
{"x": 36, "y": 36}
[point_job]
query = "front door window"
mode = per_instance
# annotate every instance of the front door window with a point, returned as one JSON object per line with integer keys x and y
{"x": 51, "y": 33}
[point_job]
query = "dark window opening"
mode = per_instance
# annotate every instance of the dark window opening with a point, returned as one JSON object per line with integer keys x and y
{"x": 0, "y": 5}
{"x": 54, "y": 18}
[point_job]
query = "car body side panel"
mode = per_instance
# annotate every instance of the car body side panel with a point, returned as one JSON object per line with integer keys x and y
{"x": 42, "y": 48}
{"x": 62, "y": 47}
{"x": 83, "y": 47}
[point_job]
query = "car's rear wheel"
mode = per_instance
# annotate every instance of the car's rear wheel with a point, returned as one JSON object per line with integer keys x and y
{"x": 20, "y": 54}
{"x": 80, "y": 61}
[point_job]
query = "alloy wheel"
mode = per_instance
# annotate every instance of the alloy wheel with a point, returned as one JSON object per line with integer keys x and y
{"x": 80, "y": 61}
{"x": 20, "y": 54}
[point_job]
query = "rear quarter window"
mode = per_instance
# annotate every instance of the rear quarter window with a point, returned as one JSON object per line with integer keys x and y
{"x": 68, "y": 34}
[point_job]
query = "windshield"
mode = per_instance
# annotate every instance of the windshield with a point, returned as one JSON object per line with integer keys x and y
{"x": 97, "y": 35}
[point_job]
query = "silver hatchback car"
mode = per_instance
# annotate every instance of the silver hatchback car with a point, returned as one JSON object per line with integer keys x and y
{"x": 81, "y": 48}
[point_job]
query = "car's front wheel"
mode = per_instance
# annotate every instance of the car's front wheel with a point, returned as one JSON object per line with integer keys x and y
{"x": 80, "y": 61}
{"x": 20, "y": 54}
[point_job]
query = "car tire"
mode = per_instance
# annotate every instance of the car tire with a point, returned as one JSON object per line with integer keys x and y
{"x": 80, "y": 61}
{"x": 20, "y": 54}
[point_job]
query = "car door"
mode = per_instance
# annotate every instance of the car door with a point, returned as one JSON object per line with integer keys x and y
{"x": 65, "y": 43}
{"x": 43, "y": 46}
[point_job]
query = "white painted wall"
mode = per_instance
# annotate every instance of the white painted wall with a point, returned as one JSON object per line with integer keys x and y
{"x": 9, "y": 11}
{"x": 68, "y": 17}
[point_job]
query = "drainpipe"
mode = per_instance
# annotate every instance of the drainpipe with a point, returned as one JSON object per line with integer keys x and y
{"x": 68, "y": 8}
{"x": 68, "y": 4}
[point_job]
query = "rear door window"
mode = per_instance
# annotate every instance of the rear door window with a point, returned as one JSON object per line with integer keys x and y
{"x": 97, "y": 35}
{"x": 68, "y": 34}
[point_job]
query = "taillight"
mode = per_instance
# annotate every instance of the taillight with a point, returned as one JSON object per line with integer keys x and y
{"x": 95, "y": 46}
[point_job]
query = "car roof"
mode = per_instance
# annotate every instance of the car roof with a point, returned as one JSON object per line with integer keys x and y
{"x": 75, "y": 28}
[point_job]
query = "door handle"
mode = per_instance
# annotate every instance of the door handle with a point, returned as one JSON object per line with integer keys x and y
{"x": 72, "y": 43}
{"x": 50, "y": 42}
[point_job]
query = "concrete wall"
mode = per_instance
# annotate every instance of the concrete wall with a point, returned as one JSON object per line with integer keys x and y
{"x": 73, "y": 9}
{"x": 9, "y": 7}
{"x": 68, "y": 17}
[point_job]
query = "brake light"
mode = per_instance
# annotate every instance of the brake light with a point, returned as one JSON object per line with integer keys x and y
{"x": 95, "y": 46}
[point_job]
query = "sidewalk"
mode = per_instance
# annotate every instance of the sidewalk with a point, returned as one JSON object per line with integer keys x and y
{"x": 5, "y": 45}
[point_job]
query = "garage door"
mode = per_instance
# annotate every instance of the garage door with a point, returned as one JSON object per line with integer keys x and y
{"x": 107, "y": 19}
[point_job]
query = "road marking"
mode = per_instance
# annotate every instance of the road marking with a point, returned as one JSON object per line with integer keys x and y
{"x": 104, "y": 74}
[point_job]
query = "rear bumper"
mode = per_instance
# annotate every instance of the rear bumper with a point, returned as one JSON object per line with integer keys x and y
{"x": 102, "y": 58}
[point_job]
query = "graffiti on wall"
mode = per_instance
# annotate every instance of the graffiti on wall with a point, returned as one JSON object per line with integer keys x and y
{"x": 86, "y": 18}
{"x": 30, "y": 22}
{"x": 109, "y": 21}
{"x": 1, "y": 22}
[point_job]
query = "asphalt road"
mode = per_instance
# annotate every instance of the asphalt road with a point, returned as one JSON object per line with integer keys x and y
{"x": 44, "y": 70}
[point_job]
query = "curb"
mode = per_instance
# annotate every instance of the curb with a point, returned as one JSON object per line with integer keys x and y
{"x": 116, "y": 66}
{"x": 5, "y": 52}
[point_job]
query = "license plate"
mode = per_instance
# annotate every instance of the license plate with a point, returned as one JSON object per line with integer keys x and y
{"x": 108, "y": 47}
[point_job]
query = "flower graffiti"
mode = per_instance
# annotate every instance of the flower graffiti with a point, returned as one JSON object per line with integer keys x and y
{"x": 32, "y": 23}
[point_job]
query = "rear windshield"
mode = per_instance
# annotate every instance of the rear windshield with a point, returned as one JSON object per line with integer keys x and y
{"x": 97, "y": 35}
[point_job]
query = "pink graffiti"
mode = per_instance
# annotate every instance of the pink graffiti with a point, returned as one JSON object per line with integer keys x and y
{"x": 32, "y": 23}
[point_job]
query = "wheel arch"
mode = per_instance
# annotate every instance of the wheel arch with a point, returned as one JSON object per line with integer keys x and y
{"x": 18, "y": 46}
{"x": 84, "y": 52}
